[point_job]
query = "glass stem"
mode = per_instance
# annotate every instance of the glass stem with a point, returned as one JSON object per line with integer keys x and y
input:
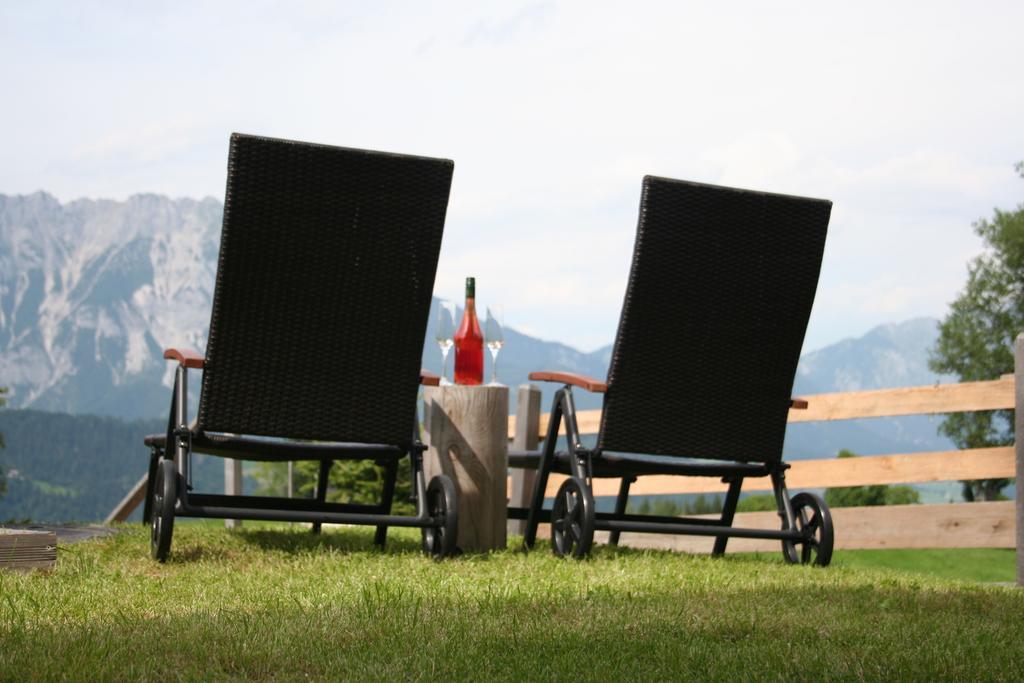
{"x": 444, "y": 364}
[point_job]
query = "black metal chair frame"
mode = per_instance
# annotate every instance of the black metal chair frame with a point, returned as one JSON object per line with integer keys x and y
{"x": 581, "y": 465}
{"x": 726, "y": 278}
{"x": 286, "y": 375}
{"x": 272, "y": 508}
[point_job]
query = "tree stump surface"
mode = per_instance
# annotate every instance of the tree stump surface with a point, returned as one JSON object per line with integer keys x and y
{"x": 466, "y": 432}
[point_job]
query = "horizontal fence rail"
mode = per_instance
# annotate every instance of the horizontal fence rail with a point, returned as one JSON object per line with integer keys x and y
{"x": 867, "y": 470}
{"x": 927, "y": 400}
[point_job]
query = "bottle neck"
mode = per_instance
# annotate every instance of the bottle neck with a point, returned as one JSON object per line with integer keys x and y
{"x": 470, "y": 305}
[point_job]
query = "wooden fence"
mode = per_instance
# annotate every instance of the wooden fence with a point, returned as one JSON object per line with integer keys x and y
{"x": 962, "y": 525}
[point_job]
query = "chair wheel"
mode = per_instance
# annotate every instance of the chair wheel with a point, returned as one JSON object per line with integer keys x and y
{"x": 572, "y": 519}
{"x": 813, "y": 519}
{"x": 442, "y": 505}
{"x": 165, "y": 495}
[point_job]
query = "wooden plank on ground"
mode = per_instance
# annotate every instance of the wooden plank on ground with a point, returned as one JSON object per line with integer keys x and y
{"x": 27, "y": 549}
{"x": 939, "y": 398}
{"x": 907, "y": 468}
{"x": 128, "y": 504}
{"x": 951, "y": 525}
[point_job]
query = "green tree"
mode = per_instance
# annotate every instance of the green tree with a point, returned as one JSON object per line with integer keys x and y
{"x": 350, "y": 481}
{"x": 976, "y": 338}
{"x": 759, "y": 502}
{"x": 670, "y": 507}
{"x": 879, "y": 494}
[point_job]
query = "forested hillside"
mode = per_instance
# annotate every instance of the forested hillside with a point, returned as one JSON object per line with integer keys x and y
{"x": 76, "y": 467}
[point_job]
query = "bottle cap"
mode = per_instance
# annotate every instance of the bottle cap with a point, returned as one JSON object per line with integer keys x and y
{"x": 470, "y": 287}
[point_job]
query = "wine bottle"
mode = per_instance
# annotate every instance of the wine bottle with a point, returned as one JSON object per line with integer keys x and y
{"x": 469, "y": 342}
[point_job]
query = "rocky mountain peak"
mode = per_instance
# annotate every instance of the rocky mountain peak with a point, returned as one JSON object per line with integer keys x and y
{"x": 91, "y": 291}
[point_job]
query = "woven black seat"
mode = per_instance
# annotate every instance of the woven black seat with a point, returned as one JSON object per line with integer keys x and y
{"x": 716, "y": 307}
{"x": 323, "y": 289}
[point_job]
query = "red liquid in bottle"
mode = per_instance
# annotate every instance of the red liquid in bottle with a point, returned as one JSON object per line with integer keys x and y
{"x": 469, "y": 342}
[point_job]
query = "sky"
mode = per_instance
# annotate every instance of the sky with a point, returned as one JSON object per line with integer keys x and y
{"x": 906, "y": 115}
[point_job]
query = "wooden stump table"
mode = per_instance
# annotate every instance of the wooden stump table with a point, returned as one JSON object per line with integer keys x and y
{"x": 466, "y": 431}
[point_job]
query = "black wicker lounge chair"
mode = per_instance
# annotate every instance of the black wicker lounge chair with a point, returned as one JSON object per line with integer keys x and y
{"x": 323, "y": 289}
{"x": 716, "y": 308}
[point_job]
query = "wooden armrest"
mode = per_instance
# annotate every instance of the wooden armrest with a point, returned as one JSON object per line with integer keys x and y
{"x": 186, "y": 357}
{"x": 798, "y": 404}
{"x": 581, "y": 381}
{"x": 429, "y": 379}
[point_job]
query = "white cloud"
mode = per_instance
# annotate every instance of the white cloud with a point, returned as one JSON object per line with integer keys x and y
{"x": 907, "y": 119}
{"x": 755, "y": 159}
{"x": 145, "y": 143}
{"x": 884, "y": 298}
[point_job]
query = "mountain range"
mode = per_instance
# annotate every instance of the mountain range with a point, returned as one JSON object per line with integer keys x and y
{"x": 91, "y": 291}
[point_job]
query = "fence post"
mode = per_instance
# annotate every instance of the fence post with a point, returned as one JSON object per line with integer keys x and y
{"x": 526, "y": 439}
{"x": 1018, "y": 439}
{"x": 232, "y": 486}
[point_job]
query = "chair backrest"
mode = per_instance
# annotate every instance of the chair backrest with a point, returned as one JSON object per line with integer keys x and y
{"x": 326, "y": 268}
{"x": 719, "y": 293}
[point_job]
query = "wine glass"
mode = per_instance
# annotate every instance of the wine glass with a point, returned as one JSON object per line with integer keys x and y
{"x": 494, "y": 338}
{"x": 444, "y": 334}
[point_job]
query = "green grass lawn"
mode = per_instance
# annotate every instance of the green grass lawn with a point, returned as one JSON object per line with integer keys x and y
{"x": 969, "y": 564}
{"x": 277, "y": 603}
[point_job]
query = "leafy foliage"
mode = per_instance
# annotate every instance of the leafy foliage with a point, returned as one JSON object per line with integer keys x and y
{"x": 879, "y": 494}
{"x": 349, "y": 481}
{"x": 857, "y": 496}
{"x": 976, "y": 338}
{"x": 760, "y": 502}
{"x": 669, "y": 507}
